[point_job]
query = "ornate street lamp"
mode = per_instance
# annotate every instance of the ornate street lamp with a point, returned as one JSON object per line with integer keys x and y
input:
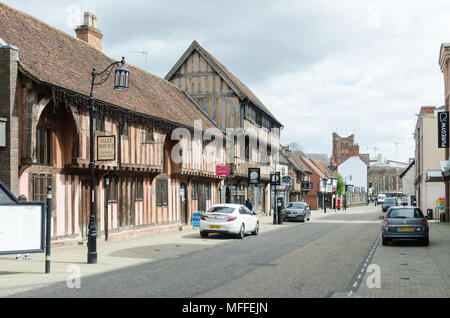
{"x": 121, "y": 83}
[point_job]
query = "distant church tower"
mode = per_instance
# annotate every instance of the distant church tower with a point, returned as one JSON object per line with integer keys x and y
{"x": 343, "y": 148}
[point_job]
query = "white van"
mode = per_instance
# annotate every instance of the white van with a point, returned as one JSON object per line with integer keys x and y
{"x": 380, "y": 198}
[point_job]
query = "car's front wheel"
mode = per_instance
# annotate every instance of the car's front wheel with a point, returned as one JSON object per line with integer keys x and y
{"x": 204, "y": 234}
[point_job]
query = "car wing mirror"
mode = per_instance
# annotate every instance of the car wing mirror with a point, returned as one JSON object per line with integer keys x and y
{"x": 381, "y": 217}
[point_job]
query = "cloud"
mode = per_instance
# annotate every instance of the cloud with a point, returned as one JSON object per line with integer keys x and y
{"x": 355, "y": 66}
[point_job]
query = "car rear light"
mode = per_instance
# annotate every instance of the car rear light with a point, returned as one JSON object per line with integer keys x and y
{"x": 385, "y": 223}
{"x": 203, "y": 217}
{"x": 231, "y": 218}
{"x": 425, "y": 222}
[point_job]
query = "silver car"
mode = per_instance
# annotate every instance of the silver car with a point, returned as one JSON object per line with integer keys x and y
{"x": 297, "y": 211}
{"x": 405, "y": 222}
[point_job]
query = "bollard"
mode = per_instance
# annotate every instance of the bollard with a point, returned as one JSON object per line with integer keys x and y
{"x": 48, "y": 242}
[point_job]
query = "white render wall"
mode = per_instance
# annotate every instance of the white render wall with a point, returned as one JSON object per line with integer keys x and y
{"x": 357, "y": 169}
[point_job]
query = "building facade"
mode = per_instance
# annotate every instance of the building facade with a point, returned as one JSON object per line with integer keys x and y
{"x": 428, "y": 181}
{"x": 44, "y": 98}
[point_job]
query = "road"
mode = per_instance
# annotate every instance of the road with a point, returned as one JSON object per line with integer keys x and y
{"x": 314, "y": 259}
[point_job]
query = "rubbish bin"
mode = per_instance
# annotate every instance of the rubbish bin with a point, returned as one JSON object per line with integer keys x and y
{"x": 430, "y": 213}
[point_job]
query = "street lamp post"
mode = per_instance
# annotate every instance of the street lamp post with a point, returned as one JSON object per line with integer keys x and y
{"x": 121, "y": 82}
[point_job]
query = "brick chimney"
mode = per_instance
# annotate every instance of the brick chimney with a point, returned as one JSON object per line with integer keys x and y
{"x": 89, "y": 33}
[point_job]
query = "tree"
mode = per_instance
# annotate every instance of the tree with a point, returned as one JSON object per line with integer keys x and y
{"x": 340, "y": 187}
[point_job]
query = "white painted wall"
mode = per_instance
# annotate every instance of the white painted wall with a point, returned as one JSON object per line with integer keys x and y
{"x": 357, "y": 169}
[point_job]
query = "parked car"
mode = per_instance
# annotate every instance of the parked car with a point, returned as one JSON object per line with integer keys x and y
{"x": 388, "y": 203}
{"x": 381, "y": 198}
{"x": 297, "y": 211}
{"x": 405, "y": 223}
{"x": 232, "y": 219}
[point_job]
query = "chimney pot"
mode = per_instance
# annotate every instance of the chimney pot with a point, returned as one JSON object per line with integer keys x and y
{"x": 89, "y": 33}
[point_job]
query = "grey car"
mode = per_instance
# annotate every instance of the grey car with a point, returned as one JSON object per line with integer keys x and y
{"x": 405, "y": 222}
{"x": 297, "y": 211}
{"x": 388, "y": 203}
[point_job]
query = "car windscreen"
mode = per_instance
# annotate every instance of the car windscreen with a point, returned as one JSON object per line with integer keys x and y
{"x": 389, "y": 201}
{"x": 221, "y": 209}
{"x": 404, "y": 213}
{"x": 296, "y": 205}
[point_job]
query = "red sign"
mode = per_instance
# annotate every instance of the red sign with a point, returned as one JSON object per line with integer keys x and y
{"x": 223, "y": 170}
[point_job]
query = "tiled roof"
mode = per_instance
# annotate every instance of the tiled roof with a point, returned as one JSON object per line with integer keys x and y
{"x": 58, "y": 59}
{"x": 313, "y": 167}
{"x": 240, "y": 88}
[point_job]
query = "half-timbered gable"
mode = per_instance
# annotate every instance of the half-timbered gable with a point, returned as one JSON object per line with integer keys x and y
{"x": 231, "y": 104}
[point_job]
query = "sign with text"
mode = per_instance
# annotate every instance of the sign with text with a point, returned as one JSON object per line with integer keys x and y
{"x": 21, "y": 224}
{"x": 106, "y": 148}
{"x": 196, "y": 219}
{"x": 443, "y": 127}
{"x": 223, "y": 170}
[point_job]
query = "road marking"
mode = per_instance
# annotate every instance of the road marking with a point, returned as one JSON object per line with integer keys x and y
{"x": 346, "y": 222}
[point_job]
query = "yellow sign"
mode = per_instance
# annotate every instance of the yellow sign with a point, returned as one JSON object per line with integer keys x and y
{"x": 106, "y": 148}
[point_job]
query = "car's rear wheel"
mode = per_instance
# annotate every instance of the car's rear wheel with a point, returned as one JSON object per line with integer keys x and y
{"x": 426, "y": 241}
{"x": 256, "y": 232}
{"x": 385, "y": 241}
{"x": 204, "y": 234}
{"x": 241, "y": 234}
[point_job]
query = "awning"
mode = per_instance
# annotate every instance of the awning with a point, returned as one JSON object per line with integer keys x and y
{"x": 434, "y": 176}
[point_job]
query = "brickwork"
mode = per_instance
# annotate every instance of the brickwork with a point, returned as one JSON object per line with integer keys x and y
{"x": 9, "y": 164}
{"x": 343, "y": 148}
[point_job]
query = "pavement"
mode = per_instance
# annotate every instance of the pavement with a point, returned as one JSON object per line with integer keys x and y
{"x": 18, "y": 276}
{"x": 405, "y": 269}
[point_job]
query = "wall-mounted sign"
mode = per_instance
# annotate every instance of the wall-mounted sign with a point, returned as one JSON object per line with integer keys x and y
{"x": 223, "y": 170}
{"x": 254, "y": 175}
{"x": 443, "y": 127}
{"x": 275, "y": 179}
{"x": 106, "y": 148}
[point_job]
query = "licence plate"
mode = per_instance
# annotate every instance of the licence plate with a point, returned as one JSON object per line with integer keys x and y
{"x": 215, "y": 227}
{"x": 405, "y": 229}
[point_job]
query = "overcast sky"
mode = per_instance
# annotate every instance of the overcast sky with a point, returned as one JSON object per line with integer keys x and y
{"x": 350, "y": 66}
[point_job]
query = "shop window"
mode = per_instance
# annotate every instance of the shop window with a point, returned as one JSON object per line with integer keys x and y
{"x": 113, "y": 187}
{"x": 195, "y": 186}
{"x": 208, "y": 191}
{"x": 139, "y": 188}
{"x": 99, "y": 124}
{"x": 162, "y": 192}
{"x": 44, "y": 146}
{"x": 125, "y": 129}
{"x": 39, "y": 184}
